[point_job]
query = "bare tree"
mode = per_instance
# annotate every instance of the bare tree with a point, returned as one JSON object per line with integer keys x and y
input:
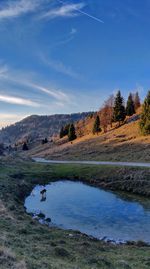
{"x": 136, "y": 99}
{"x": 106, "y": 113}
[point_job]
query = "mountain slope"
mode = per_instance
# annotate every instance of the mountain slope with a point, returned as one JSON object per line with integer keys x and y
{"x": 38, "y": 127}
{"x": 119, "y": 144}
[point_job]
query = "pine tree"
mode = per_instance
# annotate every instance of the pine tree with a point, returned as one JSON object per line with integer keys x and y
{"x": 44, "y": 141}
{"x": 119, "y": 109}
{"x": 145, "y": 116}
{"x": 96, "y": 127}
{"x": 72, "y": 133}
{"x": 130, "y": 110}
{"x": 61, "y": 135}
{"x": 66, "y": 129}
{"x": 25, "y": 146}
{"x": 137, "y": 102}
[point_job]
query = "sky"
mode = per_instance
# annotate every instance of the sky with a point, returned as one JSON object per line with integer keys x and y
{"x": 60, "y": 56}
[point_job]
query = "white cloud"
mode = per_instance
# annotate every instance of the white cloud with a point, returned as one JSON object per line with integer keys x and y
{"x": 18, "y": 101}
{"x": 78, "y": 9}
{"x": 25, "y": 80}
{"x": 66, "y": 10}
{"x": 13, "y": 9}
{"x": 61, "y": 68}
{"x": 57, "y": 94}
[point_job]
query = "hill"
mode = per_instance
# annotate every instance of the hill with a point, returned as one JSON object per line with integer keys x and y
{"x": 119, "y": 144}
{"x": 38, "y": 127}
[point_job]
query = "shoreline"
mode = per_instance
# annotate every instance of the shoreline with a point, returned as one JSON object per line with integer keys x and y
{"x": 43, "y": 219}
{"x": 77, "y": 233}
{"x": 23, "y": 234}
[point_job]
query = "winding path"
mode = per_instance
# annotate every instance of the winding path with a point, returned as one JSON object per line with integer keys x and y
{"x": 129, "y": 164}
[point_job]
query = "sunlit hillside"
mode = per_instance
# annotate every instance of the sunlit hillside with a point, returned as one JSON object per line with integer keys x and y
{"x": 122, "y": 144}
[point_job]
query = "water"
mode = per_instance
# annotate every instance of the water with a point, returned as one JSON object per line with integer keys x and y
{"x": 99, "y": 213}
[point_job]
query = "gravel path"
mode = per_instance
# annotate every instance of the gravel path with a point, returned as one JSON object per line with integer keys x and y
{"x": 133, "y": 164}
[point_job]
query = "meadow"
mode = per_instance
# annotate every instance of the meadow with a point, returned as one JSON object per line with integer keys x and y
{"x": 25, "y": 243}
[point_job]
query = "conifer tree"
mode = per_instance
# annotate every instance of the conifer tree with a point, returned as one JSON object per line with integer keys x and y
{"x": 44, "y": 141}
{"x": 25, "y": 146}
{"x": 61, "y": 135}
{"x": 130, "y": 110}
{"x": 119, "y": 109}
{"x": 66, "y": 129}
{"x": 145, "y": 116}
{"x": 137, "y": 102}
{"x": 96, "y": 127}
{"x": 72, "y": 133}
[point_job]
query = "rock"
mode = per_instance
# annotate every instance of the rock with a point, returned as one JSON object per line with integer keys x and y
{"x": 48, "y": 220}
{"x": 41, "y": 215}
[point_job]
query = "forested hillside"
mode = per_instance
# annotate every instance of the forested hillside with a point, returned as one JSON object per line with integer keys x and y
{"x": 38, "y": 127}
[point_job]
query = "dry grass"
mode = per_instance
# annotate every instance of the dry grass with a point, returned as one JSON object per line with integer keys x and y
{"x": 121, "y": 144}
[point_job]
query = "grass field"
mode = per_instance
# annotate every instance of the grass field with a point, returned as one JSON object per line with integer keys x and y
{"x": 24, "y": 243}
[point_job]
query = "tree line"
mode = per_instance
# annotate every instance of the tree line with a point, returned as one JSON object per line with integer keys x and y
{"x": 68, "y": 130}
{"x": 115, "y": 110}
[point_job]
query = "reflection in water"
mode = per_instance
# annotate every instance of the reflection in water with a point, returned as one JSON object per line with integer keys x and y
{"x": 129, "y": 197}
{"x": 43, "y": 195}
{"x": 74, "y": 205}
{"x": 43, "y": 199}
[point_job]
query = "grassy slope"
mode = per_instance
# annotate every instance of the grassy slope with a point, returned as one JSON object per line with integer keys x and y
{"x": 122, "y": 144}
{"x": 24, "y": 243}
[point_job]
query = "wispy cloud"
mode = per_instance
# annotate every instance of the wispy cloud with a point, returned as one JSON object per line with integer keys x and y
{"x": 25, "y": 80}
{"x": 18, "y": 101}
{"x": 12, "y": 9}
{"x": 57, "y": 94}
{"x": 67, "y": 10}
{"x": 79, "y": 9}
{"x": 60, "y": 67}
{"x": 15, "y": 8}
{"x": 65, "y": 39}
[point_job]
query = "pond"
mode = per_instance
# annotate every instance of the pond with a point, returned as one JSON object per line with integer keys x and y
{"x": 93, "y": 211}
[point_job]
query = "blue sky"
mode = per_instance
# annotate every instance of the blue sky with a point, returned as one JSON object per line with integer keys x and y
{"x": 69, "y": 56}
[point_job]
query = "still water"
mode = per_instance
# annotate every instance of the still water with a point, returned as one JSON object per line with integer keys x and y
{"x": 90, "y": 210}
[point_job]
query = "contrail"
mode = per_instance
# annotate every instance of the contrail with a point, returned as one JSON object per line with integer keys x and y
{"x": 82, "y": 12}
